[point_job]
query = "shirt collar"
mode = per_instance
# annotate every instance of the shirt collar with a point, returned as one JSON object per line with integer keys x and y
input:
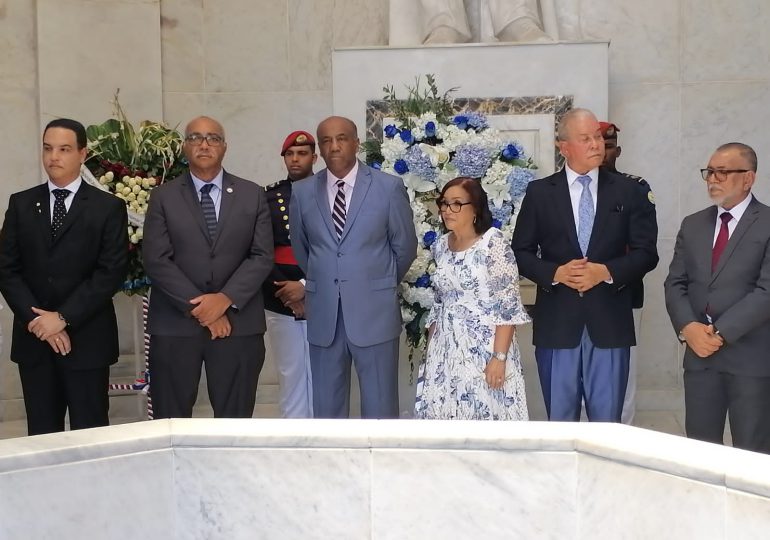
{"x": 572, "y": 176}
{"x": 350, "y": 178}
{"x": 217, "y": 181}
{"x": 73, "y": 186}
{"x": 738, "y": 210}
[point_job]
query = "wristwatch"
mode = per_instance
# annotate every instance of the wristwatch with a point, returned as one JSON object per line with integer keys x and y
{"x": 61, "y": 318}
{"x": 500, "y": 356}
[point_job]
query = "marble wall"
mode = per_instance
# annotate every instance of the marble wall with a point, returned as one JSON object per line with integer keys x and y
{"x": 685, "y": 76}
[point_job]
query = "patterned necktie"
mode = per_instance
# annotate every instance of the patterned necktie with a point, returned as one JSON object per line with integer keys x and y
{"x": 586, "y": 214}
{"x": 338, "y": 215}
{"x": 209, "y": 211}
{"x": 722, "y": 238}
{"x": 59, "y": 209}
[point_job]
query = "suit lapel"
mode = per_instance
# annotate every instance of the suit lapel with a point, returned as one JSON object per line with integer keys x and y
{"x": 42, "y": 208}
{"x": 563, "y": 204}
{"x": 322, "y": 199}
{"x": 80, "y": 200}
{"x": 704, "y": 244}
{"x": 226, "y": 201}
{"x": 190, "y": 197}
{"x": 747, "y": 220}
{"x": 604, "y": 202}
{"x": 363, "y": 181}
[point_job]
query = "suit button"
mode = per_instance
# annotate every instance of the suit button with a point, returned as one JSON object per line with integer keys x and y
{"x": 50, "y": 279}
{"x": 339, "y": 254}
{"x": 336, "y": 281}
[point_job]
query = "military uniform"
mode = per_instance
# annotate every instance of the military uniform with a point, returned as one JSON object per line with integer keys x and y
{"x": 286, "y": 341}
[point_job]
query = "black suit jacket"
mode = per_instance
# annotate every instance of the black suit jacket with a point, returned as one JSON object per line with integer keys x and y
{"x": 623, "y": 238}
{"x": 76, "y": 274}
{"x": 737, "y": 293}
{"x": 182, "y": 262}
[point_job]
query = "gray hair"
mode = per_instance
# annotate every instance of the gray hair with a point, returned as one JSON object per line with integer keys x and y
{"x": 562, "y": 130}
{"x": 746, "y": 151}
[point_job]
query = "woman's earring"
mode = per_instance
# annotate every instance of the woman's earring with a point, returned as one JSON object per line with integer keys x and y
{"x": 474, "y": 219}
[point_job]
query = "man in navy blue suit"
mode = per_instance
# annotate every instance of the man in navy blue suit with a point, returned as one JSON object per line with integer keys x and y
{"x": 584, "y": 235}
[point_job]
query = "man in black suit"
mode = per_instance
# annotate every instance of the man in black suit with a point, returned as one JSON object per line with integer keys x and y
{"x": 718, "y": 298}
{"x": 584, "y": 235}
{"x": 63, "y": 255}
{"x": 208, "y": 246}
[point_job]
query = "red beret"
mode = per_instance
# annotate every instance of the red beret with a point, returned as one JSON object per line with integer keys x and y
{"x": 609, "y": 131}
{"x": 298, "y": 138}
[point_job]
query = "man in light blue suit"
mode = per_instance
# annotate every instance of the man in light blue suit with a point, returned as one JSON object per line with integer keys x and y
{"x": 352, "y": 234}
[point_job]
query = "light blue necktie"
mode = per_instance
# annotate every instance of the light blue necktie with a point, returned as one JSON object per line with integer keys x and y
{"x": 586, "y": 214}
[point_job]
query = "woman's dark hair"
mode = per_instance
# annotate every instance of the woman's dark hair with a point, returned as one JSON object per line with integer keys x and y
{"x": 478, "y": 199}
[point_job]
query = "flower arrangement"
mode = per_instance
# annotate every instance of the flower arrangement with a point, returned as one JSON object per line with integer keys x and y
{"x": 129, "y": 162}
{"x": 428, "y": 145}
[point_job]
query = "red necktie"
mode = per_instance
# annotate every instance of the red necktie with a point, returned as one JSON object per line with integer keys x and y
{"x": 722, "y": 238}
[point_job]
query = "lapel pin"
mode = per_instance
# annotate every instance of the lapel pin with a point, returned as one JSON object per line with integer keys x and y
{"x": 229, "y": 190}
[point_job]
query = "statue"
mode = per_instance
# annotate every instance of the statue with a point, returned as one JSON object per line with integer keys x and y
{"x": 430, "y": 22}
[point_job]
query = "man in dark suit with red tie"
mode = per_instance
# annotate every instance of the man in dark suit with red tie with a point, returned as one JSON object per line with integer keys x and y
{"x": 584, "y": 235}
{"x": 718, "y": 298}
{"x": 63, "y": 255}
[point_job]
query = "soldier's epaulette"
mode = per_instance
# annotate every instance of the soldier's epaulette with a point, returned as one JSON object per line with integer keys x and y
{"x": 273, "y": 185}
{"x": 635, "y": 178}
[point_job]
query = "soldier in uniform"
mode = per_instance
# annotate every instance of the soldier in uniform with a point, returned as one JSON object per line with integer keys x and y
{"x": 284, "y": 288}
{"x": 611, "y": 154}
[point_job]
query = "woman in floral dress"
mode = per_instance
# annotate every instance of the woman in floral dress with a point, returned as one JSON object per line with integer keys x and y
{"x": 472, "y": 368}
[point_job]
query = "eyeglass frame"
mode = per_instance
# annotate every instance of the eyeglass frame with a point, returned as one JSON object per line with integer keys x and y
{"x": 716, "y": 173}
{"x": 196, "y": 139}
{"x": 451, "y": 206}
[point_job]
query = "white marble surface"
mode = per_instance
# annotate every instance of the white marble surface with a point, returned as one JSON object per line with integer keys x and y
{"x": 577, "y": 69}
{"x": 379, "y": 479}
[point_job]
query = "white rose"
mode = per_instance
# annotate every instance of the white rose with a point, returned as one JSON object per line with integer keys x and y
{"x": 110, "y": 176}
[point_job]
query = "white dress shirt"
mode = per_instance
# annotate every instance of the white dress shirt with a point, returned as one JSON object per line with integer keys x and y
{"x": 331, "y": 186}
{"x": 736, "y": 211}
{"x": 73, "y": 186}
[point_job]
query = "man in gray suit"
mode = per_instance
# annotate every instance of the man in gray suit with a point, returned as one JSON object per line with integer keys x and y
{"x": 352, "y": 234}
{"x": 718, "y": 298}
{"x": 208, "y": 246}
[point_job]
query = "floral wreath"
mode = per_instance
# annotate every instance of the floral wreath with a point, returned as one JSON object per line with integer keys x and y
{"x": 129, "y": 162}
{"x": 428, "y": 145}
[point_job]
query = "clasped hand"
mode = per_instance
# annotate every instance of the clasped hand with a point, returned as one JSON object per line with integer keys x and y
{"x": 702, "y": 338}
{"x": 49, "y": 327}
{"x": 210, "y": 311}
{"x": 581, "y": 275}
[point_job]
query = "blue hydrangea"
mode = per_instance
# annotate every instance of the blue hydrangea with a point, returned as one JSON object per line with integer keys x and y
{"x": 497, "y": 224}
{"x": 518, "y": 179}
{"x": 391, "y": 131}
{"x": 419, "y": 164}
{"x": 406, "y": 136}
{"x": 501, "y": 215}
{"x": 400, "y": 166}
{"x": 471, "y": 160}
{"x": 430, "y": 129}
{"x": 428, "y": 238}
{"x": 423, "y": 281}
{"x": 477, "y": 121}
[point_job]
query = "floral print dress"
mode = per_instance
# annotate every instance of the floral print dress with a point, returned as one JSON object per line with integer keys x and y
{"x": 476, "y": 290}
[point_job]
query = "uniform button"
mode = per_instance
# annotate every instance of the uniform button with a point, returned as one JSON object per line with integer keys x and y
{"x": 283, "y": 209}
{"x": 287, "y": 226}
{"x": 280, "y": 200}
{"x": 285, "y": 218}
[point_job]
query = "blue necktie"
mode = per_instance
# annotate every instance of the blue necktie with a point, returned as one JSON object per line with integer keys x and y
{"x": 586, "y": 214}
{"x": 209, "y": 211}
{"x": 339, "y": 211}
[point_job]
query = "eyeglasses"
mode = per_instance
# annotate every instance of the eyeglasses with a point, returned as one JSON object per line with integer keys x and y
{"x": 720, "y": 175}
{"x": 212, "y": 139}
{"x": 455, "y": 207}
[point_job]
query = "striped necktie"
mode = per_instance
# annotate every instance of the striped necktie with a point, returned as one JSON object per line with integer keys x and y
{"x": 209, "y": 211}
{"x": 338, "y": 214}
